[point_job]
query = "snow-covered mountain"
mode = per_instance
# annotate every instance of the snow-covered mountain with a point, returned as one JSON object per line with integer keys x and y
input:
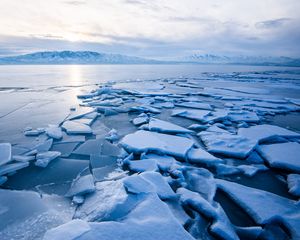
{"x": 74, "y": 57}
{"x": 88, "y": 57}
{"x": 243, "y": 60}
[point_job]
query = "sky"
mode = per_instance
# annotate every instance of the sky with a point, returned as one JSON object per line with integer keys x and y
{"x": 161, "y": 29}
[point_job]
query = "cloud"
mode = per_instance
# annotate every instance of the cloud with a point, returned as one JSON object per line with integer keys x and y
{"x": 275, "y": 23}
{"x": 75, "y": 3}
{"x": 158, "y": 28}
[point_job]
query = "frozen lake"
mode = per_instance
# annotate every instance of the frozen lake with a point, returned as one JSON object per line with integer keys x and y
{"x": 149, "y": 152}
{"x": 36, "y": 95}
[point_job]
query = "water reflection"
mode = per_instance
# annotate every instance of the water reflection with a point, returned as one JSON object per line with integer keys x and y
{"x": 75, "y": 75}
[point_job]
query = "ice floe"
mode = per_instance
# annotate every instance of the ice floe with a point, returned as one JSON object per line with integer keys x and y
{"x": 266, "y": 132}
{"x": 3, "y": 179}
{"x": 102, "y": 202}
{"x": 12, "y": 167}
{"x": 69, "y": 231}
{"x": 198, "y": 105}
{"x": 54, "y": 131}
{"x": 293, "y": 181}
{"x": 65, "y": 148}
{"x": 143, "y": 166}
{"x": 44, "y": 158}
{"x": 264, "y": 207}
{"x": 34, "y": 216}
{"x": 221, "y": 225}
{"x": 198, "y": 156}
{"x": 149, "y": 182}
{"x": 164, "y": 162}
{"x": 282, "y": 155}
{"x": 161, "y": 126}
{"x": 243, "y": 116}
{"x": 141, "y": 119}
{"x": 80, "y": 112}
{"x": 227, "y": 144}
{"x": 5, "y": 153}
{"x": 150, "y": 219}
{"x": 81, "y": 185}
{"x": 146, "y": 141}
{"x": 97, "y": 147}
{"x": 72, "y": 127}
{"x": 198, "y": 115}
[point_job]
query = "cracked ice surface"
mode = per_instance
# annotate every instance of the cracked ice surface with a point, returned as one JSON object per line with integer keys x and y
{"x": 196, "y": 157}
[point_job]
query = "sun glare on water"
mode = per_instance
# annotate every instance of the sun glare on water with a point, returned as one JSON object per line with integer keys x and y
{"x": 75, "y": 75}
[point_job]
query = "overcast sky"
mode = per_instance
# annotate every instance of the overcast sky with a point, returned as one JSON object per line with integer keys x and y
{"x": 152, "y": 28}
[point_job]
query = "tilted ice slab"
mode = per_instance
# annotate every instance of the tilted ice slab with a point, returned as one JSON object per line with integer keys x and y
{"x": 5, "y": 153}
{"x": 150, "y": 219}
{"x": 293, "y": 181}
{"x": 44, "y": 158}
{"x": 163, "y": 105}
{"x": 161, "y": 126}
{"x": 3, "y": 179}
{"x": 149, "y": 182}
{"x": 12, "y": 167}
{"x": 248, "y": 170}
{"x": 81, "y": 185}
{"x": 146, "y": 141}
{"x": 54, "y": 131}
{"x": 200, "y": 180}
{"x": 145, "y": 108}
{"x": 217, "y": 115}
{"x": 97, "y": 147}
{"x": 141, "y": 119}
{"x": 227, "y": 144}
{"x": 102, "y": 202}
{"x": 282, "y": 155}
{"x": 197, "y": 115}
{"x": 294, "y": 101}
{"x": 202, "y": 115}
{"x": 198, "y": 155}
{"x": 87, "y": 121}
{"x": 43, "y": 146}
{"x": 249, "y": 90}
{"x": 269, "y": 105}
{"x": 72, "y": 127}
{"x": 243, "y": 116}
{"x": 143, "y": 165}
{"x": 221, "y": 225}
{"x": 198, "y": 105}
{"x": 64, "y": 148}
{"x": 68, "y": 231}
{"x": 108, "y": 102}
{"x": 265, "y": 132}
{"x": 264, "y": 207}
{"x": 80, "y": 112}
{"x": 164, "y": 162}
{"x": 25, "y": 215}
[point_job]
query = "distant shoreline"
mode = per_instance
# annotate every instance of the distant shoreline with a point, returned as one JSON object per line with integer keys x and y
{"x": 166, "y": 63}
{"x": 95, "y": 58}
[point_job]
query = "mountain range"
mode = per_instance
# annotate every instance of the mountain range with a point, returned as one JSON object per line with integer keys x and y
{"x": 74, "y": 57}
{"x": 242, "y": 59}
{"x": 89, "y": 57}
